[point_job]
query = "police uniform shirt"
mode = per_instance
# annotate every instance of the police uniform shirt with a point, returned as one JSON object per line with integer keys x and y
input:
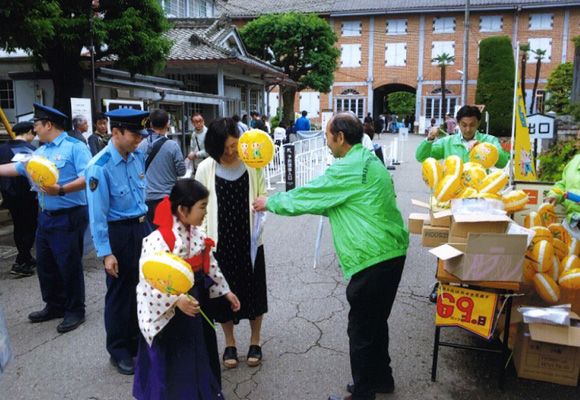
{"x": 70, "y": 157}
{"x": 116, "y": 191}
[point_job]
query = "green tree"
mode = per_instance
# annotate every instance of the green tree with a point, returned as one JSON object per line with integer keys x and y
{"x": 54, "y": 33}
{"x": 301, "y": 44}
{"x": 495, "y": 83}
{"x": 525, "y": 48}
{"x": 560, "y": 88}
{"x": 401, "y": 103}
{"x": 443, "y": 60}
{"x": 539, "y": 56}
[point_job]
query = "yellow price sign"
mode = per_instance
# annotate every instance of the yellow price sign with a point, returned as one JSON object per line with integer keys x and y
{"x": 469, "y": 309}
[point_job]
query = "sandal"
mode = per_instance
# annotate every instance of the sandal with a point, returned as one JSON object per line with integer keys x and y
{"x": 255, "y": 352}
{"x": 230, "y": 357}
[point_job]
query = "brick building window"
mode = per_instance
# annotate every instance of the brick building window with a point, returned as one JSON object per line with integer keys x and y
{"x": 349, "y": 100}
{"x": 443, "y": 25}
{"x": 396, "y": 54}
{"x": 491, "y": 23}
{"x": 6, "y": 94}
{"x": 438, "y": 48}
{"x": 351, "y": 28}
{"x": 350, "y": 55}
{"x": 540, "y": 44}
{"x": 396, "y": 27}
{"x": 310, "y": 102}
{"x": 433, "y": 104}
{"x": 541, "y": 22}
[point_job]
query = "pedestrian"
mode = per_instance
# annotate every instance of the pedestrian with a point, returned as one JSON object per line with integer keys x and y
{"x": 116, "y": 180}
{"x": 178, "y": 356}
{"x": 163, "y": 161}
{"x": 20, "y": 201}
{"x": 197, "y": 151}
{"x": 266, "y": 121}
{"x": 302, "y": 123}
{"x": 372, "y": 255}
{"x": 379, "y": 125}
{"x": 280, "y": 133}
{"x": 412, "y": 122}
{"x": 257, "y": 122}
{"x": 394, "y": 126}
{"x": 368, "y": 119}
{"x": 80, "y": 125}
{"x": 368, "y": 134}
{"x": 241, "y": 126}
{"x": 450, "y": 123}
{"x": 232, "y": 187}
{"x": 62, "y": 221}
{"x": 98, "y": 140}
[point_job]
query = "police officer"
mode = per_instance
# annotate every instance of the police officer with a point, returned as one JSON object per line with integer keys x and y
{"x": 62, "y": 221}
{"x": 116, "y": 180}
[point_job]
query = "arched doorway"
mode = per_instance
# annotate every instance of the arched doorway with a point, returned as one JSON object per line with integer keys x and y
{"x": 380, "y": 102}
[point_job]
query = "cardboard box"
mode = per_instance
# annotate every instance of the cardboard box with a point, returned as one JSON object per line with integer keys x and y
{"x": 439, "y": 217}
{"x": 549, "y": 353}
{"x": 432, "y": 236}
{"x": 416, "y": 222}
{"x": 485, "y": 257}
{"x": 463, "y": 225}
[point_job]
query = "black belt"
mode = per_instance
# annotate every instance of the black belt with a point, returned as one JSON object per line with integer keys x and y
{"x": 62, "y": 211}
{"x": 130, "y": 221}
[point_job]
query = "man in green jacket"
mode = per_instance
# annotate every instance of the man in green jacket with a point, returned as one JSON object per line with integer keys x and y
{"x": 356, "y": 193}
{"x": 468, "y": 119}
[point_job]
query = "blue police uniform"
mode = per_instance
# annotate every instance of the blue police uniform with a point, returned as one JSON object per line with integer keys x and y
{"x": 62, "y": 222}
{"x": 116, "y": 194}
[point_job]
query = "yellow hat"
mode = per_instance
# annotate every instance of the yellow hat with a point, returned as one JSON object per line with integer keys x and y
{"x": 560, "y": 232}
{"x": 547, "y": 288}
{"x": 542, "y": 256}
{"x": 432, "y": 172}
{"x": 570, "y": 279}
{"x": 473, "y": 177}
{"x": 560, "y": 249}
{"x": 494, "y": 182}
{"x": 447, "y": 187}
{"x": 515, "y": 200}
{"x": 532, "y": 219}
{"x": 485, "y": 154}
{"x": 452, "y": 166}
{"x": 570, "y": 262}
{"x": 547, "y": 214}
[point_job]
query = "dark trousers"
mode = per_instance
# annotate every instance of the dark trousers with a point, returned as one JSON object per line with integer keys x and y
{"x": 120, "y": 301}
{"x": 25, "y": 218}
{"x": 151, "y": 206}
{"x": 371, "y": 293}
{"x": 59, "y": 251}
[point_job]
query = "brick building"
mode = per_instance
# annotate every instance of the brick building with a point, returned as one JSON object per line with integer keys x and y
{"x": 389, "y": 46}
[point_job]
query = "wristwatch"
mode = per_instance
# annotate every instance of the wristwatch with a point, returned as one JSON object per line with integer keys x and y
{"x": 61, "y": 191}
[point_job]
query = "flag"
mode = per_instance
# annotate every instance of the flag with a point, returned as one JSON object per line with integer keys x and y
{"x": 524, "y": 165}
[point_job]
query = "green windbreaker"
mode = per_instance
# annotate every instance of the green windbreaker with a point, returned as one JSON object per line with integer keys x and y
{"x": 357, "y": 195}
{"x": 570, "y": 182}
{"x": 453, "y": 146}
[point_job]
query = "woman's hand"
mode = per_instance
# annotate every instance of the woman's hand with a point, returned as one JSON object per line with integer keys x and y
{"x": 259, "y": 203}
{"x": 233, "y": 299}
{"x": 551, "y": 199}
{"x": 188, "y": 305}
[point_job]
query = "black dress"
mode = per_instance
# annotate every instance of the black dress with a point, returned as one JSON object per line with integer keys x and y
{"x": 233, "y": 252}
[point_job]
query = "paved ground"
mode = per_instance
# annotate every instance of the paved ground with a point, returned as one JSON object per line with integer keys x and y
{"x": 304, "y": 333}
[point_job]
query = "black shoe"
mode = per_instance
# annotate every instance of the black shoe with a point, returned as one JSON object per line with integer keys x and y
{"x": 433, "y": 295}
{"x": 387, "y": 388}
{"x": 45, "y": 314}
{"x": 70, "y": 323}
{"x": 340, "y": 398}
{"x": 21, "y": 271}
{"x": 125, "y": 367}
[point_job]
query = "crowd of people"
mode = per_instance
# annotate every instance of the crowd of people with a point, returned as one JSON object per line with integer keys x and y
{"x": 125, "y": 187}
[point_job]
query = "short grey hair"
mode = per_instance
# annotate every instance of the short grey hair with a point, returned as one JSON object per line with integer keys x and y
{"x": 79, "y": 120}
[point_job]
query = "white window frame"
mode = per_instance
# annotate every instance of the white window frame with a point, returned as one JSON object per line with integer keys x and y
{"x": 310, "y": 102}
{"x": 444, "y": 25}
{"x": 491, "y": 23}
{"x": 350, "y": 55}
{"x": 187, "y": 8}
{"x": 541, "y": 22}
{"x": 396, "y": 53}
{"x": 351, "y": 103}
{"x": 438, "y": 48}
{"x": 351, "y": 28}
{"x": 435, "y": 101}
{"x": 397, "y": 27}
{"x": 543, "y": 44}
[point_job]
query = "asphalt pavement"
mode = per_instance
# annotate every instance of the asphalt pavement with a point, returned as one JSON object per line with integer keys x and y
{"x": 304, "y": 337}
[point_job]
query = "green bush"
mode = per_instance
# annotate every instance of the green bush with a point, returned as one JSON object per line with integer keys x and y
{"x": 560, "y": 88}
{"x": 495, "y": 83}
{"x": 554, "y": 159}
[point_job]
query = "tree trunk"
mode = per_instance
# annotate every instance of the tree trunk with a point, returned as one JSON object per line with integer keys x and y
{"x": 443, "y": 100}
{"x": 288, "y": 96}
{"x": 576, "y": 77}
{"x": 536, "y": 80}
{"x": 523, "y": 78}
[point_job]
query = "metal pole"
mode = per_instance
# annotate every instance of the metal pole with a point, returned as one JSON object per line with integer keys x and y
{"x": 465, "y": 76}
{"x": 93, "y": 79}
{"x": 511, "y": 164}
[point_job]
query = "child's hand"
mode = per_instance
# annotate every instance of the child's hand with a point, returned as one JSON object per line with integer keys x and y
{"x": 233, "y": 299}
{"x": 187, "y": 306}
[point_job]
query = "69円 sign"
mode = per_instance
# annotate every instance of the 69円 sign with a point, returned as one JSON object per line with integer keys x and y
{"x": 471, "y": 310}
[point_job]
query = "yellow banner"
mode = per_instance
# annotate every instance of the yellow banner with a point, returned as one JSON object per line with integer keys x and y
{"x": 524, "y": 165}
{"x": 468, "y": 309}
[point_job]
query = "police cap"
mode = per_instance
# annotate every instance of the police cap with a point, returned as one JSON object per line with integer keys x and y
{"x": 131, "y": 119}
{"x": 46, "y": 113}
{"x": 22, "y": 127}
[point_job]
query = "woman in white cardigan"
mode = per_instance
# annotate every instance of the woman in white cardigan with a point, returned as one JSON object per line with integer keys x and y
{"x": 233, "y": 187}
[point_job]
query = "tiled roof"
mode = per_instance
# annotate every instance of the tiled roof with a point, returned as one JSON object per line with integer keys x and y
{"x": 248, "y": 8}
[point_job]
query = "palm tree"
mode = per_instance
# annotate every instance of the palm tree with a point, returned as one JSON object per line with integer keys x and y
{"x": 443, "y": 60}
{"x": 524, "y": 49}
{"x": 539, "y": 55}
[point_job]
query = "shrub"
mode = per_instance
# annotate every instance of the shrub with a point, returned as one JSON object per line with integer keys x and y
{"x": 555, "y": 157}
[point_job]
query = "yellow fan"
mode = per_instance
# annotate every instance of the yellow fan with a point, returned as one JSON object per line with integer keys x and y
{"x": 42, "y": 171}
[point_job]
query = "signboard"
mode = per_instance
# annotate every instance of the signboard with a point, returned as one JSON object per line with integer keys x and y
{"x": 82, "y": 107}
{"x": 403, "y": 134}
{"x": 290, "y": 162}
{"x": 541, "y": 126}
{"x": 537, "y": 192}
{"x": 471, "y": 310}
{"x": 326, "y": 115}
{"x": 111, "y": 105}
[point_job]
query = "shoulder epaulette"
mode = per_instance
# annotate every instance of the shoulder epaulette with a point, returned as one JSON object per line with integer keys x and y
{"x": 105, "y": 157}
{"x": 72, "y": 139}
